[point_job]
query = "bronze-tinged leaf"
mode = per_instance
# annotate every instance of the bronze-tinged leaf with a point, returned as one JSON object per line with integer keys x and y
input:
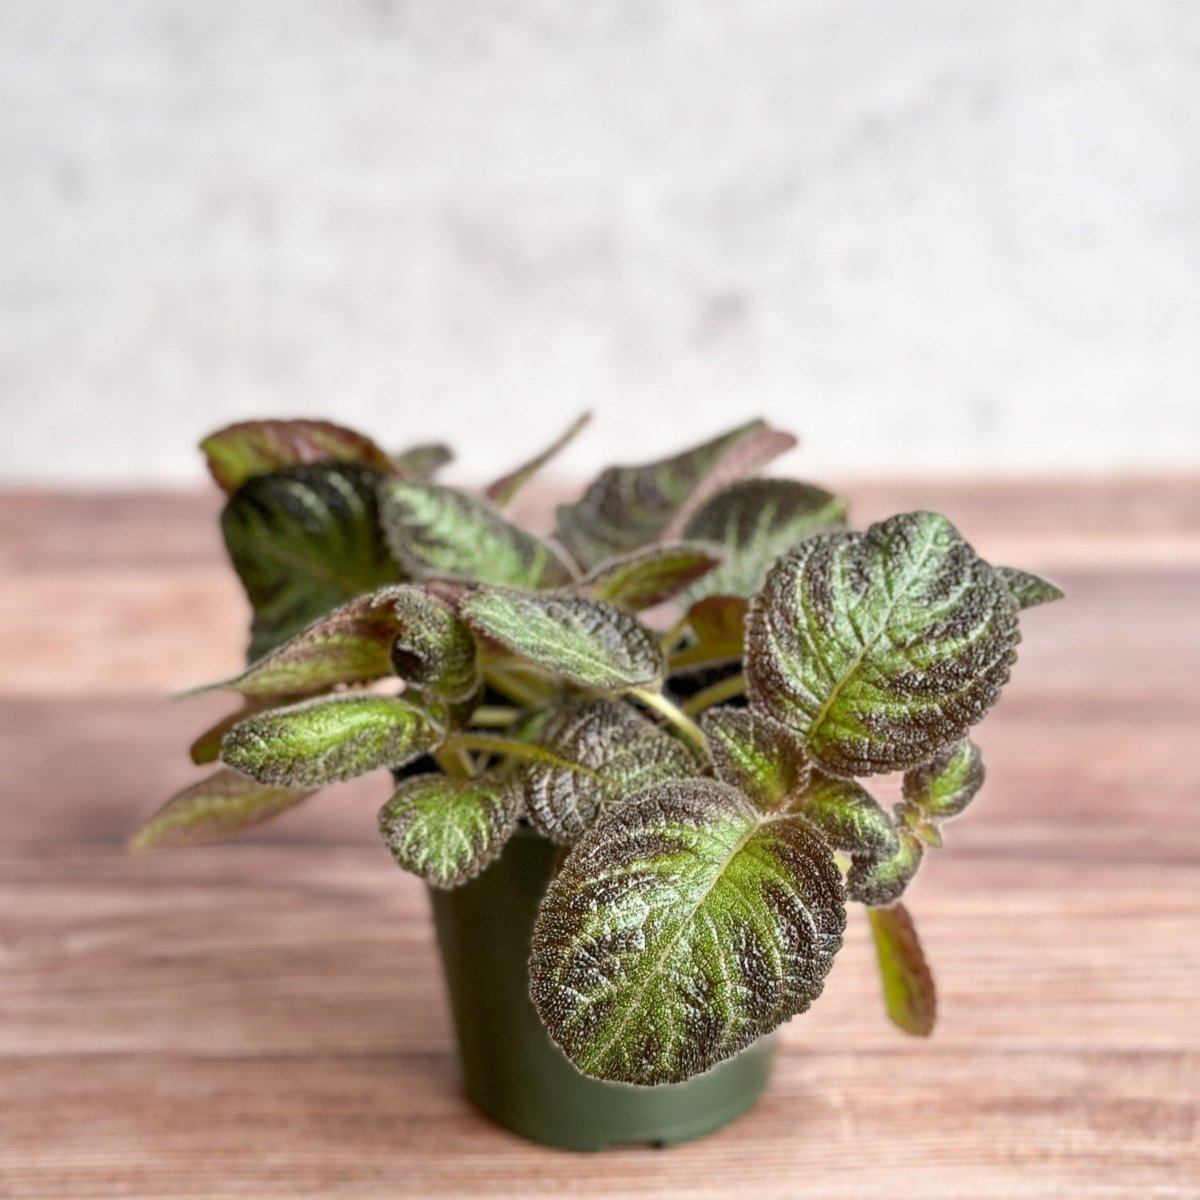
{"x": 504, "y": 489}
{"x": 421, "y": 463}
{"x": 848, "y": 817}
{"x": 249, "y": 448}
{"x": 628, "y": 507}
{"x": 717, "y": 633}
{"x": 944, "y": 786}
{"x": 756, "y": 755}
{"x": 217, "y": 807}
{"x": 1028, "y": 589}
{"x": 881, "y": 881}
{"x": 647, "y": 577}
{"x": 878, "y": 648}
{"x": 908, "y": 988}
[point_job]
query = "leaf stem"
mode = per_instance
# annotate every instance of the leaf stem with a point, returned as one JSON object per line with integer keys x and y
{"x": 494, "y": 716}
{"x": 723, "y": 689}
{"x": 492, "y": 744}
{"x": 520, "y": 691}
{"x": 454, "y": 761}
{"x": 666, "y": 708}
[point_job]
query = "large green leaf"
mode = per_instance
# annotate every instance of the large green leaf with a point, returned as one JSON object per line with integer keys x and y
{"x": 585, "y": 641}
{"x": 1028, "y": 589}
{"x": 325, "y": 740}
{"x": 756, "y": 755}
{"x": 304, "y": 540}
{"x": 448, "y": 830}
{"x": 647, "y": 577}
{"x": 679, "y": 930}
{"x": 240, "y": 452}
{"x": 217, "y": 807}
{"x": 504, "y": 489}
{"x": 946, "y": 784}
{"x": 753, "y": 522}
{"x": 908, "y": 988}
{"x": 627, "y": 507}
{"x": 436, "y": 531}
{"x": 599, "y": 755}
{"x": 879, "y": 648}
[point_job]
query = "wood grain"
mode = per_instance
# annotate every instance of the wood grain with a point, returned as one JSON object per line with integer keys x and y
{"x": 266, "y": 1018}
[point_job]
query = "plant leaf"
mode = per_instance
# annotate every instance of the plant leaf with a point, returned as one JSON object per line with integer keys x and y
{"x": 627, "y": 507}
{"x": 718, "y": 632}
{"x": 753, "y": 522}
{"x": 433, "y": 650}
{"x": 448, "y": 830}
{"x": 756, "y": 755}
{"x": 879, "y": 648}
{"x": 420, "y": 463}
{"x": 440, "y": 531}
{"x": 207, "y": 747}
{"x": 1028, "y": 589}
{"x": 606, "y": 753}
{"x": 909, "y": 993}
{"x": 848, "y": 817}
{"x": 304, "y": 540}
{"x": 679, "y": 930}
{"x": 647, "y": 577}
{"x": 881, "y": 881}
{"x": 249, "y": 448}
{"x": 217, "y": 807}
{"x": 507, "y": 486}
{"x": 946, "y": 784}
{"x": 325, "y": 740}
{"x": 585, "y": 641}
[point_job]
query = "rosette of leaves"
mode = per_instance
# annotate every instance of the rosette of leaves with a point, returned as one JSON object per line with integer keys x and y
{"x": 705, "y": 773}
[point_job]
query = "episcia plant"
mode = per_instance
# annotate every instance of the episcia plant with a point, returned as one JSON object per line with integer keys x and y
{"x": 701, "y": 772}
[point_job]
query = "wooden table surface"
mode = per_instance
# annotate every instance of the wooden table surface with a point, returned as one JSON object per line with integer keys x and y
{"x": 266, "y": 1018}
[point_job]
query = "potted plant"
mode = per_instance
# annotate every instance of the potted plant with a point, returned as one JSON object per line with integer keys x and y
{"x": 639, "y": 836}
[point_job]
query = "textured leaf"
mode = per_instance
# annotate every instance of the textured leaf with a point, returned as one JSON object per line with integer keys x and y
{"x": 240, "y": 452}
{"x": 848, "y": 817}
{"x": 325, "y": 740}
{"x": 448, "y": 830}
{"x": 756, "y": 755}
{"x": 1028, "y": 589}
{"x": 506, "y": 487}
{"x": 422, "y": 462}
{"x": 946, "y": 784}
{"x": 604, "y": 753}
{"x": 881, "y": 881}
{"x": 717, "y": 626}
{"x": 585, "y": 641}
{"x": 753, "y": 522}
{"x": 627, "y": 507}
{"x": 304, "y": 540}
{"x": 679, "y": 930}
{"x": 440, "y": 531}
{"x": 879, "y": 648}
{"x": 217, "y": 807}
{"x": 647, "y": 577}
{"x": 207, "y": 747}
{"x": 908, "y": 989}
{"x": 433, "y": 650}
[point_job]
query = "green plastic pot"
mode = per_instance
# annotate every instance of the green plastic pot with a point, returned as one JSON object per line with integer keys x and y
{"x": 511, "y": 1069}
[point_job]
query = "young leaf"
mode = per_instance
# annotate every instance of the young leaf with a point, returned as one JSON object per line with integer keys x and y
{"x": 207, "y": 747}
{"x": 679, "y": 930}
{"x": 240, "y": 452}
{"x": 879, "y": 648}
{"x": 881, "y": 881}
{"x": 217, "y": 807}
{"x": 648, "y": 577}
{"x": 506, "y": 487}
{"x": 717, "y": 626}
{"x": 585, "y": 641}
{"x": 908, "y": 989}
{"x": 848, "y": 817}
{"x": 946, "y": 784}
{"x": 433, "y": 650}
{"x": 322, "y": 741}
{"x": 421, "y": 463}
{"x": 440, "y": 531}
{"x": 627, "y": 507}
{"x": 448, "y": 830}
{"x": 753, "y": 522}
{"x": 756, "y": 755}
{"x": 603, "y": 753}
{"x": 1028, "y": 589}
{"x": 304, "y": 540}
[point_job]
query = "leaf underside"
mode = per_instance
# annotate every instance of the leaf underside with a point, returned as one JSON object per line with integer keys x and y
{"x": 717, "y": 625}
{"x": 909, "y": 993}
{"x": 648, "y": 577}
{"x": 505, "y": 489}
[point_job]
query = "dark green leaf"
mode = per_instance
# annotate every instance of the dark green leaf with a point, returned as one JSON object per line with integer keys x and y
{"x": 879, "y": 648}
{"x": 585, "y": 641}
{"x": 448, "y": 830}
{"x": 628, "y": 507}
{"x": 440, "y": 531}
{"x": 946, "y": 784}
{"x": 304, "y": 540}
{"x": 848, "y": 817}
{"x": 717, "y": 625}
{"x": 679, "y": 930}
{"x": 756, "y": 755}
{"x": 420, "y": 463}
{"x": 753, "y": 522}
{"x": 648, "y": 577}
{"x": 433, "y": 650}
{"x": 601, "y": 753}
{"x": 908, "y": 988}
{"x": 1028, "y": 589}
{"x": 881, "y": 881}
{"x": 505, "y": 488}
{"x": 322, "y": 741}
{"x": 217, "y": 807}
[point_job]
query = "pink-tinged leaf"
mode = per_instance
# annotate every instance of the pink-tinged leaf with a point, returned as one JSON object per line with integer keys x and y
{"x": 507, "y": 486}
{"x": 908, "y": 988}
{"x": 239, "y": 452}
{"x": 648, "y": 577}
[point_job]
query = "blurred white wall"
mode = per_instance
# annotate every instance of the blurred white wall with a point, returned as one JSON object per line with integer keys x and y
{"x": 940, "y": 235}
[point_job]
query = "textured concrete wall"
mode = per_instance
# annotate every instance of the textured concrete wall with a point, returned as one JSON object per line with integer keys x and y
{"x": 939, "y": 234}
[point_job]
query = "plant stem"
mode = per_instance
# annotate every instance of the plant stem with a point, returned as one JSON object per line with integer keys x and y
{"x": 494, "y": 716}
{"x": 664, "y": 707}
{"x": 492, "y": 744}
{"x": 454, "y": 761}
{"x": 518, "y": 690}
{"x": 723, "y": 689}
